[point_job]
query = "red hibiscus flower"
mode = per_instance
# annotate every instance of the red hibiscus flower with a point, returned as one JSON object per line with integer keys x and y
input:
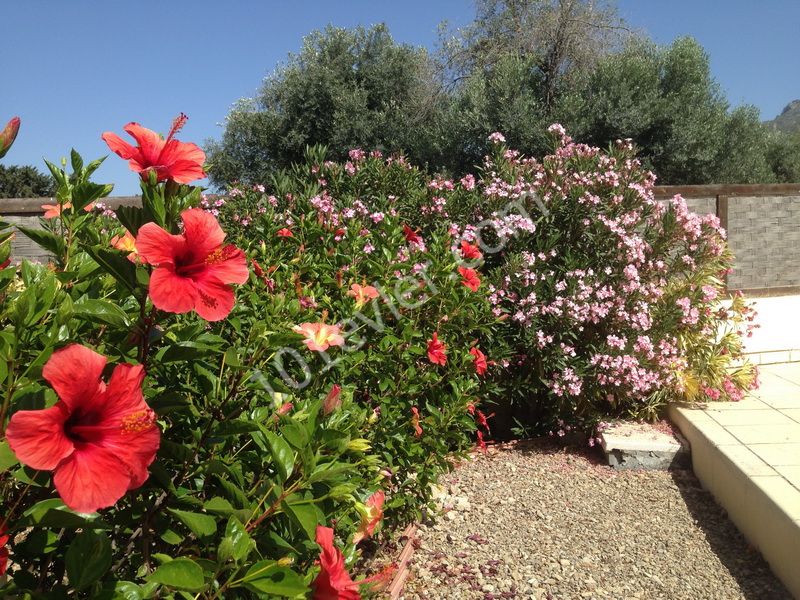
{"x": 469, "y": 277}
{"x": 285, "y": 232}
{"x": 470, "y": 252}
{"x": 412, "y": 237}
{"x": 193, "y": 269}
{"x": 333, "y": 581}
{"x": 8, "y": 135}
{"x": 3, "y": 549}
{"x": 436, "y": 350}
{"x": 481, "y": 442}
{"x": 479, "y": 360}
{"x": 415, "y": 421}
{"x": 98, "y": 439}
{"x": 371, "y": 517}
{"x": 333, "y": 400}
{"x": 170, "y": 159}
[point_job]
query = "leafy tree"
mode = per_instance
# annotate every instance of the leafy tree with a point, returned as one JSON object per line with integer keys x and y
{"x": 346, "y": 88}
{"x": 667, "y": 101}
{"x": 24, "y": 182}
{"x": 557, "y": 38}
{"x": 783, "y": 155}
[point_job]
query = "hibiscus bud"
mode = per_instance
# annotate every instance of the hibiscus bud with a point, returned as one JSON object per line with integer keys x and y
{"x": 8, "y": 135}
{"x": 285, "y": 408}
{"x": 358, "y": 445}
{"x": 333, "y": 400}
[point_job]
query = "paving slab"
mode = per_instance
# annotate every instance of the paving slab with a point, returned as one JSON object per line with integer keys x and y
{"x": 747, "y": 454}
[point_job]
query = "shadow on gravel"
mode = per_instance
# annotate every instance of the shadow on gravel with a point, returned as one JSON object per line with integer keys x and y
{"x": 743, "y": 562}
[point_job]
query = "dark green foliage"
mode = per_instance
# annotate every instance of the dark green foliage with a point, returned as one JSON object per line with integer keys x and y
{"x": 25, "y": 182}
{"x": 346, "y": 88}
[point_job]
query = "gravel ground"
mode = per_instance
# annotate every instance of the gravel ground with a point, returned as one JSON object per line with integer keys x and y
{"x": 530, "y": 520}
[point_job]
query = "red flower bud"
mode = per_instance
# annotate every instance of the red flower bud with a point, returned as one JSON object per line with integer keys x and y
{"x": 8, "y": 135}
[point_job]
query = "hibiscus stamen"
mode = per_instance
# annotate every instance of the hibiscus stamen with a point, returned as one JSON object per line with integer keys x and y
{"x": 221, "y": 254}
{"x": 138, "y": 421}
{"x": 177, "y": 124}
{"x": 206, "y": 299}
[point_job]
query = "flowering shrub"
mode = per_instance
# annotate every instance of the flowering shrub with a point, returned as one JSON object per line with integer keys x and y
{"x": 225, "y": 407}
{"x": 393, "y": 314}
{"x": 615, "y": 303}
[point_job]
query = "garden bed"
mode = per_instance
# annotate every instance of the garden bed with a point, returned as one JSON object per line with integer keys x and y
{"x": 533, "y": 520}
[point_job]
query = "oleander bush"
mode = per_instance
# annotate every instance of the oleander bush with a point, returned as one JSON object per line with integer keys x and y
{"x": 611, "y": 304}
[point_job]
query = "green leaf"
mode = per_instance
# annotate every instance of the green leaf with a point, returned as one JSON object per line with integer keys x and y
{"x": 115, "y": 264}
{"x": 237, "y": 542}
{"x": 172, "y": 537}
{"x": 7, "y": 458}
{"x": 306, "y": 515}
{"x": 295, "y": 434}
{"x": 120, "y": 590}
{"x": 132, "y": 217}
{"x": 268, "y": 577}
{"x": 181, "y": 573}
{"x": 235, "y": 427}
{"x": 100, "y": 311}
{"x": 45, "y": 239}
{"x": 76, "y": 160}
{"x": 182, "y": 351}
{"x": 53, "y": 513}
{"x": 282, "y": 454}
{"x": 199, "y": 524}
{"x": 87, "y": 559}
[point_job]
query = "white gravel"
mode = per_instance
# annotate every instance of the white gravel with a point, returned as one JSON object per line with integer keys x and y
{"x": 531, "y": 520}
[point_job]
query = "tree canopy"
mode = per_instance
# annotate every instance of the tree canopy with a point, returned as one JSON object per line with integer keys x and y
{"x": 518, "y": 67}
{"x": 25, "y": 182}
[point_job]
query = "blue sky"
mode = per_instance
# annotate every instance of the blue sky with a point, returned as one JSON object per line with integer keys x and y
{"x": 72, "y": 70}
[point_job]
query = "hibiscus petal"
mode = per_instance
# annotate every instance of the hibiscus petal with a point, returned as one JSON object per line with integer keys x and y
{"x": 183, "y": 161}
{"x": 123, "y": 394}
{"x": 37, "y": 436}
{"x": 120, "y": 147}
{"x": 157, "y": 246}
{"x": 202, "y": 231}
{"x": 214, "y": 299}
{"x": 74, "y": 372}
{"x": 92, "y": 478}
{"x": 150, "y": 143}
{"x": 171, "y": 292}
{"x": 232, "y": 269}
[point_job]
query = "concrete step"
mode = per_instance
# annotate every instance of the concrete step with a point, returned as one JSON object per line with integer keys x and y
{"x": 747, "y": 454}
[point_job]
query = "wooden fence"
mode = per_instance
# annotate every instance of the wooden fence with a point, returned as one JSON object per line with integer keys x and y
{"x": 762, "y": 220}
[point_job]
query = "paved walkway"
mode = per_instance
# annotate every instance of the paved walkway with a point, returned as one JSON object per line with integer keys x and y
{"x": 748, "y": 455}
